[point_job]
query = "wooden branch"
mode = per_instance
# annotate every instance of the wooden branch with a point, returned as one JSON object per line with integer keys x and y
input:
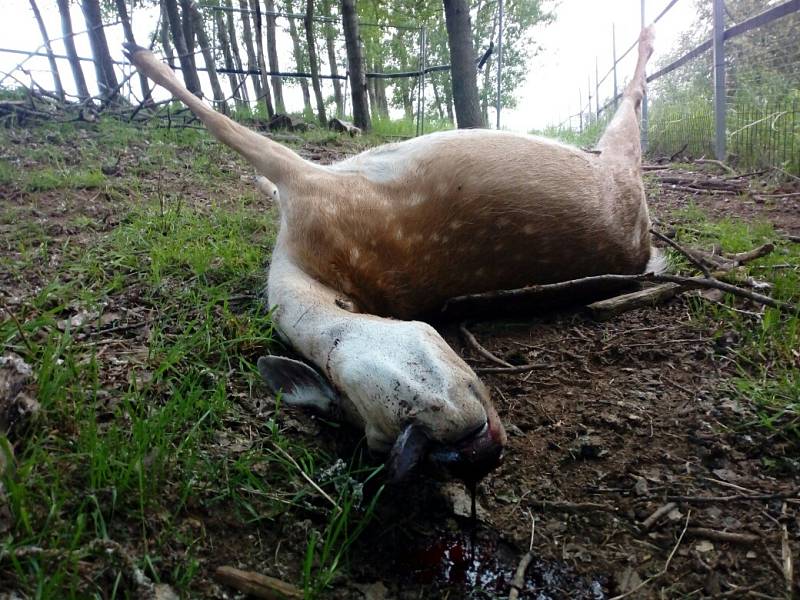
{"x": 475, "y": 345}
{"x": 604, "y": 310}
{"x": 723, "y": 536}
{"x": 257, "y": 585}
{"x": 691, "y": 258}
{"x": 539, "y": 290}
{"x": 657, "y": 514}
{"x": 719, "y": 163}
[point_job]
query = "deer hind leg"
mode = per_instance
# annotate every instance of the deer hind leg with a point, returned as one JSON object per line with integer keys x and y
{"x": 621, "y": 139}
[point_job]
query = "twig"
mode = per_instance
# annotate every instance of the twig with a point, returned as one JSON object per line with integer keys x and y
{"x": 663, "y": 571}
{"x": 723, "y": 536}
{"x": 689, "y": 256}
{"x": 25, "y": 339}
{"x": 735, "y": 498}
{"x": 786, "y": 554}
{"x": 690, "y": 282}
{"x": 719, "y": 163}
{"x": 257, "y": 585}
{"x": 573, "y": 507}
{"x": 470, "y": 339}
{"x": 657, "y": 514}
{"x": 305, "y": 476}
{"x": 512, "y": 369}
{"x": 518, "y": 582}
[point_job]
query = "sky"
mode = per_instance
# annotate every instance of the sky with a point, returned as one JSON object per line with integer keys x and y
{"x": 558, "y": 77}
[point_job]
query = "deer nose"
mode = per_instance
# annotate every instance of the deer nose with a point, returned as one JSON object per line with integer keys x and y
{"x": 472, "y": 457}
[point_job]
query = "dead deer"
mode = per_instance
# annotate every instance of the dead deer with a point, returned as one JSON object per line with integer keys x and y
{"x": 366, "y": 244}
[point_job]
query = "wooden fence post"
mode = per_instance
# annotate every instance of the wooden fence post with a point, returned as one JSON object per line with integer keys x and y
{"x": 719, "y": 78}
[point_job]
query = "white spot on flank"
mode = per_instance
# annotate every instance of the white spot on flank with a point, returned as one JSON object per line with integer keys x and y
{"x": 528, "y": 230}
{"x": 398, "y": 234}
{"x": 435, "y": 237}
{"x": 454, "y": 225}
{"x": 503, "y": 222}
{"x": 354, "y": 254}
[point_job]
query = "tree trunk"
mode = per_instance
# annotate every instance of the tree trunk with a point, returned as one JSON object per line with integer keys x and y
{"x": 487, "y": 78}
{"x": 330, "y": 43}
{"x": 72, "y": 53}
{"x": 104, "y": 67}
{"x": 208, "y": 57}
{"x": 299, "y": 59}
{"x": 187, "y": 25}
{"x": 272, "y": 55}
{"x": 380, "y": 93}
{"x": 448, "y": 101}
{"x": 187, "y": 66}
{"x": 462, "y": 64}
{"x": 312, "y": 60}
{"x": 237, "y": 57}
{"x": 355, "y": 65}
{"x": 233, "y": 80}
{"x": 50, "y": 57}
{"x": 252, "y": 63}
{"x": 163, "y": 33}
{"x": 122, "y": 11}
{"x": 374, "y": 110}
{"x": 262, "y": 65}
{"x": 437, "y": 98}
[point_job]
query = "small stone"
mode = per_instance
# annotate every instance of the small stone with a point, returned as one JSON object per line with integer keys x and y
{"x": 704, "y": 546}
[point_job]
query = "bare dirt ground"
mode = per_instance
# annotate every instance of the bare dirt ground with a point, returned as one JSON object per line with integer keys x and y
{"x": 629, "y": 455}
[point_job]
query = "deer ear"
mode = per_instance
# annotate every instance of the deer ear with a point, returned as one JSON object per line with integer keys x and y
{"x": 299, "y": 384}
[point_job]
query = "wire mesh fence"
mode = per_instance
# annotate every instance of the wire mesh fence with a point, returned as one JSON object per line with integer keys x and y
{"x": 761, "y": 93}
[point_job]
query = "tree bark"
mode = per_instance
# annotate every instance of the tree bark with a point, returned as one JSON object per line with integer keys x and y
{"x": 437, "y": 98}
{"x": 122, "y": 11}
{"x": 163, "y": 34}
{"x": 187, "y": 66}
{"x": 252, "y": 63}
{"x": 104, "y": 67}
{"x": 187, "y": 25}
{"x": 380, "y": 92}
{"x": 308, "y": 22}
{"x": 233, "y": 80}
{"x": 262, "y": 65}
{"x": 72, "y": 53}
{"x": 49, "y": 50}
{"x": 374, "y": 111}
{"x": 299, "y": 58}
{"x": 330, "y": 43}
{"x": 462, "y": 64}
{"x": 355, "y": 65}
{"x": 205, "y": 47}
{"x": 272, "y": 55}
{"x": 237, "y": 57}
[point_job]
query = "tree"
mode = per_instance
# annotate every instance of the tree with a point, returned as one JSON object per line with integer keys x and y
{"x": 50, "y": 57}
{"x": 237, "y": 58}
{"x": 252, "y": 62}
{"x": 184, "y": 58}
{"x": 262, "y": 65}
{"x": 355, "y": 65}
{"x": 308, "y": 22}
{"x": 224, "y": 44}
{"x": 462, "y": 64}
{"x": 198, "y": 27}
{"x": 72, "y": 53}
{"x": 163, "y": 34}
{"x": 299, "y": 57}
{"x": 330, "y": 44}
{"x": 122, "y": 11}
{"x": 103, "y": 65}
{"x": 272, "y": 55}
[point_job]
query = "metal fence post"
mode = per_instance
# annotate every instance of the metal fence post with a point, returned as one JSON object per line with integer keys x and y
{"x": 719, "y": 78}
{"x": 644, "y": 125}
{"x": 499, "y": 56}
{"x": 614, "y": 57}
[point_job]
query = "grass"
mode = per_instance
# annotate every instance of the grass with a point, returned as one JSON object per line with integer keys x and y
{"x": 766, "y": 348}
{"x": 140, "y": 431}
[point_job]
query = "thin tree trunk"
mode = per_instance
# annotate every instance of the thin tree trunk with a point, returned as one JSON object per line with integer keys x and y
{"x": 437, "y": 98}
{"x": 252, "y": 63}
{"x": 462, "y": 64}
{"x": 358, "y": 83}
{"x": 208, "y": 57}
{"x": 272, "y": 55}
{"x": 187, "y": 24}
{"x": 229, "y": 65}
{"x": 312, "y": 59}
{"x": 330, "y": 43}
{"x": 122, "y": 11}
{"x": 374, "y": 110}
{"x": 163, "y": 33}
{"x": 104, "y": 67}
{"x": 187, "y": 66}
{"x": 72, "y": 53}
{"x": 448, "y": 101}
{"x": 380, "y": 92}
{"x": 299, "y": 58}
{"x": 50, "y": 57}
{"x": 487, "y": 79}
{"x": 262, "y": 65}
{"x": 237, "y": 57}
